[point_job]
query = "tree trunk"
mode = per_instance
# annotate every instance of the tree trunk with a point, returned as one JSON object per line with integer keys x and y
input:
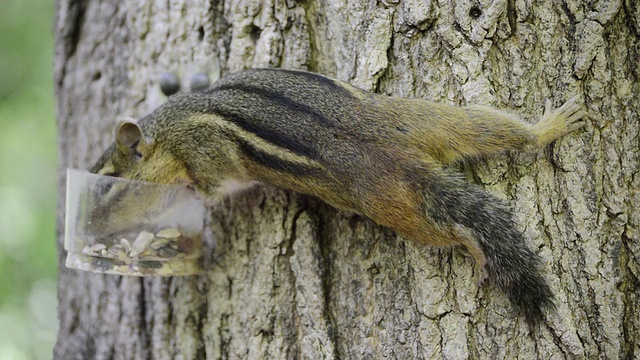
{"x": 290, "y": 277}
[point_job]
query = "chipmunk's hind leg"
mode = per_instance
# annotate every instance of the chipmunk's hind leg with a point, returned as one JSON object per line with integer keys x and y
{"x": 487, "y": 130}
{"x": 555, "y": 123}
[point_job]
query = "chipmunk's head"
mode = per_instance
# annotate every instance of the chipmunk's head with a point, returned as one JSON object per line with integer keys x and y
{"x": 138, "y": 157}
{"x": 118, "y": 205}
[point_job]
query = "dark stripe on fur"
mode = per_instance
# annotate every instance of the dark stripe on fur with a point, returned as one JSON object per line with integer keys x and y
{"x": 268, "y": 135}
{"x": 275, "y": 163}
{"x": 279, "y": 99}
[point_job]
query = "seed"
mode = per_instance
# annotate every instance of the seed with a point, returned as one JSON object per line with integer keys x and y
{"x": 167, "y": 252}
{"x": 141, "y": 243}
{"x": 115, "y": 251}
{"x": 94, "y": 249}
{"x": 126, "y": 246}
{"x": 170, "y": 233}
{"x": 121, "y": 256}
{"x": 160, "y": 242}
{"x": 150, "y": 265}
{"x": 185, "y": 245}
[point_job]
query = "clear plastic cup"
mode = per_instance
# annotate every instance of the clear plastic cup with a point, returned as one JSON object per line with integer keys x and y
{"x": 119, "y": 226}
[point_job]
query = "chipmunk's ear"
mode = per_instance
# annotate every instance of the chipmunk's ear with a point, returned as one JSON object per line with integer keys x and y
{"x": 130, "y": 139}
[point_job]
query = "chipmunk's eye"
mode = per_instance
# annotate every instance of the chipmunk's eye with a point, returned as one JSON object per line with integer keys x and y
{"x": 137, "y": 155}
{"x": 103, "y": 187}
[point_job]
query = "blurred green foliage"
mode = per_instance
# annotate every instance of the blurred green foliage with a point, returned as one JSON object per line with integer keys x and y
{"x": 28, "y": 181}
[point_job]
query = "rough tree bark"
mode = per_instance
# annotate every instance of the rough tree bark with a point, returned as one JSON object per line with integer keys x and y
{"x": 290, "y": 277}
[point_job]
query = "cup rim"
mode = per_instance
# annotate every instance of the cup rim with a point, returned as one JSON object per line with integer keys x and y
{"x": 77, "y": 173}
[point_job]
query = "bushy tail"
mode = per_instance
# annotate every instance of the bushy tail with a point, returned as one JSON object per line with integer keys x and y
{"x": 513, "y": 266}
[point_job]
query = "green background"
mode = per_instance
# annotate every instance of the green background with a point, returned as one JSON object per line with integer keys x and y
{"x": 28, "y": 181}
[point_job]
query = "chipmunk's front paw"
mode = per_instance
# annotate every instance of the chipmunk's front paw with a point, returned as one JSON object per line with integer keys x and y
{"x": 480, "y": 268}
{"x": 482, "y": 274}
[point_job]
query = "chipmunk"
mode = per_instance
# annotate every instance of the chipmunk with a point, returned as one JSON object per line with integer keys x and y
{"x": 379, "y": 156}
